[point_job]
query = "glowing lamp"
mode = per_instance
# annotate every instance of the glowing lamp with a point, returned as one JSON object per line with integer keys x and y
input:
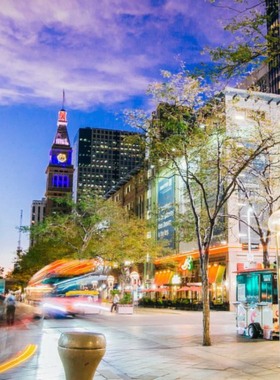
{"x": 274, "y": 222}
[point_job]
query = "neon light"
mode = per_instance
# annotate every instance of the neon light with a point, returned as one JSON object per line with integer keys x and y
{"x": 21, "y": 358}
{"x": 62, "y": 115}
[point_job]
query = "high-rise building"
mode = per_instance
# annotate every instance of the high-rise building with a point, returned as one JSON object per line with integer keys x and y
{"x": 266, "y": 78}
{"x": 60, "y": 169}
{"x": 37, "y": 214}
{"x": 273, "y": 25}
{"x": 101, "y": 158}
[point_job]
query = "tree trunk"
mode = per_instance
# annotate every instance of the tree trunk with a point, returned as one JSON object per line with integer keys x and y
{"x": 204, "y": 259}
{"x": 266, "y": 262}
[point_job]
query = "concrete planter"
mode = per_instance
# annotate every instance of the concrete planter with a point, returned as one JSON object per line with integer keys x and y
{"x": 125, "y": 309}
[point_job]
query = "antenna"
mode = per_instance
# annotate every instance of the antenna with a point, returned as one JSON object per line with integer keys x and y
{"x": 63, "y": 99}
{"x": 19, "y": 249}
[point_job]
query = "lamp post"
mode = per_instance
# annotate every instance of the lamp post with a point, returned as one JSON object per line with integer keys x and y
{"x": 274, "y": 226}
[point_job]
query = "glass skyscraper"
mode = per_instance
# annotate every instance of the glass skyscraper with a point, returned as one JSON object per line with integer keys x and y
{"x": 102, "y": 157}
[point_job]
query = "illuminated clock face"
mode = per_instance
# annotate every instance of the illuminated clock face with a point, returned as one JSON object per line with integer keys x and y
{"x": 61, "y": 157}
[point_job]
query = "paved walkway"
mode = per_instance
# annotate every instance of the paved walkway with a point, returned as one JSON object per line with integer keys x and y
{"x": 149, "y": 345}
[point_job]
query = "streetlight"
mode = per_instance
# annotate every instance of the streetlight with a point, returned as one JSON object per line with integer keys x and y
{"x": 250, "y": 257}
{"x": 274, "y": 226}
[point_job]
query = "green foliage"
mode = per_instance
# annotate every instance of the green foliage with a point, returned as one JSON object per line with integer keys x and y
{"x": 115, "y": 291}
{"x": 38, "y": 256}
{"x": 97, "y": 228}
{"x": 126, "y": 299}
{"x": 251, "y": 45}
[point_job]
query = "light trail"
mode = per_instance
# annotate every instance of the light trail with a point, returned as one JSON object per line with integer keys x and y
{"x": 21, "y": 358}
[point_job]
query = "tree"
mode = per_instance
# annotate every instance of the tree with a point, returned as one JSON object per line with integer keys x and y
{"x": 99, "y": 228}
{"x": 38, "y": 256}
{"x": 192, "y": 135}
{"x": 253, "y": 43}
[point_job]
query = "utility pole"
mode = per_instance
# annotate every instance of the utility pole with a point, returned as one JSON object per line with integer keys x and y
{"x": 19, "y": 248}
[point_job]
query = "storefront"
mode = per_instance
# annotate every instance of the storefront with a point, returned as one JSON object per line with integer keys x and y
{"x": 186, "y": 284}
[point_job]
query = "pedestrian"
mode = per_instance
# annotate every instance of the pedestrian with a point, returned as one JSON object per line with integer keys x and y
{"x": 10, "y": 303}
{"x": 116, "y": 300}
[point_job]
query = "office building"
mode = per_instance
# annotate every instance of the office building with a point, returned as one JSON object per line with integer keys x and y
{"x": 266, "y": 78}
{"x": 101, "y": 158}
{"x": 273, "y": 25}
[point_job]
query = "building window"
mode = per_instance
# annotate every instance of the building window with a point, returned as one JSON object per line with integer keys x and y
{"x": 60, "y": 181}
{"x": 127, "y": 189}
{"x": 54, "y": 181}
{"x": 65, "y": 181}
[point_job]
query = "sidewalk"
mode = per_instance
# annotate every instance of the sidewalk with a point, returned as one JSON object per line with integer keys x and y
{"x": 147, "y": 345}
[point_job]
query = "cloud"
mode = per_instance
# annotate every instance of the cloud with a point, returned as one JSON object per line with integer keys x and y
{"x": 100, "y": 52}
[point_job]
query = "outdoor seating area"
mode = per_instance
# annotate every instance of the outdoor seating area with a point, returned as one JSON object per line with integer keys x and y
{"x": 180, "y": 304}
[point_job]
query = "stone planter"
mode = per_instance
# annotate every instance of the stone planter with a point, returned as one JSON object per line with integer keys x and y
{"x": 125, "y": 309}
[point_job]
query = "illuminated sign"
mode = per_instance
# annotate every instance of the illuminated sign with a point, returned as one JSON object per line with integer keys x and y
{"x": 166, "y": 195}
{"x": 188, "y": 264}
{"x": 62, "y": 116}
{"x": 176, "y": 279}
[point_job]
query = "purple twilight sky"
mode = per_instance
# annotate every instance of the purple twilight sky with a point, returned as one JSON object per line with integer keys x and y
{"x": 104, "y": 54}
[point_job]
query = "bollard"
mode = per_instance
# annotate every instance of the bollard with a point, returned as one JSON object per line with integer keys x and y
{"x": 80, "y": 353}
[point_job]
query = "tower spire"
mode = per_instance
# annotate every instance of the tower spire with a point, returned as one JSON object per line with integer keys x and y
{"x": 63, "y": 99}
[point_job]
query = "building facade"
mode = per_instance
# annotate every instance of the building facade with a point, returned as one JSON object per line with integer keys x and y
{"x": 238, "y": 246}
{"x": 235, "y": 246}
{"x": 273, "y": 25}
{"x": 60, "y": 169}
{"x": 131, "y": 192}
{"x": 266, "y": 78}
{"x": 101, "y": 158}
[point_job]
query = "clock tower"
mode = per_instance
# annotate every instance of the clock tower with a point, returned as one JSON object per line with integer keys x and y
{"x": 60, "y": 169}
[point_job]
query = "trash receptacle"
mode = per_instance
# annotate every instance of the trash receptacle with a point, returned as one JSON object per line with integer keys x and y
{"x": 80, "y": 353}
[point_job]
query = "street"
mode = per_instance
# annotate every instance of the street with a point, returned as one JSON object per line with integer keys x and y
{"x": 151, "y": 344}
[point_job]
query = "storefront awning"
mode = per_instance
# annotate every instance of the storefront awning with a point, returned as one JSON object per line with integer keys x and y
{"x": 163, "y": 277}
{"x": 155, "y": 290}
{"x": 216, "y": 274}
{"x": 220, "y": 274}
{"x": 191, "y": 289}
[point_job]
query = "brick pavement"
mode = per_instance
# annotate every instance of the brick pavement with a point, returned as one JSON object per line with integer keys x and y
{"x": 149, "y": 345}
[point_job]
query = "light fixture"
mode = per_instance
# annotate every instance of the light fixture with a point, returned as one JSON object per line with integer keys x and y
{"x": 239, "y": 116}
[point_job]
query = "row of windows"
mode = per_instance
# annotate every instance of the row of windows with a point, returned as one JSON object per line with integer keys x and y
{"x": 60, "y": 181}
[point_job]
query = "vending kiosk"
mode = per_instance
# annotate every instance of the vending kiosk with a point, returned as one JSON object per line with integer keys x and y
{"x": 257, "y": 303}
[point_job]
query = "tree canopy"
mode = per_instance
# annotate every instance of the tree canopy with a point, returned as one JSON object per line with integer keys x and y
{"x": 252, "y": 43}
{"x": 96, "y": 228}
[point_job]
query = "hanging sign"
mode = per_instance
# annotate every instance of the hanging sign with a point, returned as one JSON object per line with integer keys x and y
{"x": 176, "y": 279}
{"x": 188, "y": 264}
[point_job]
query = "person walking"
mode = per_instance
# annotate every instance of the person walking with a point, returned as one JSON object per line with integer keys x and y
{"x": 10, "y": 303}
{"x": 116, "y": 300}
